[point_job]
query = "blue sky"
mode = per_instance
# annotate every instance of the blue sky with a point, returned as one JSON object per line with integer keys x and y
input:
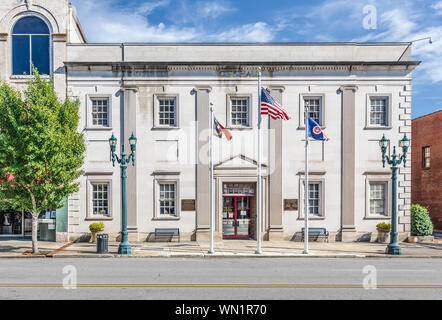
{"x": 278, "y": 21}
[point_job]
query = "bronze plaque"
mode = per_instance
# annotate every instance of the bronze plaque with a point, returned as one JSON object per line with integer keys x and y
{"x": 188, "y": 205}
{"x": 290, "y": 204}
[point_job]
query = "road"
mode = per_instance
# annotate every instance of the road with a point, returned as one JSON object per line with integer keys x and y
{"x": 220, "y": 278}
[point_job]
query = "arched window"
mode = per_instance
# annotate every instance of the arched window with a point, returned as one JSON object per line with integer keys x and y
{"x": 30, "y": 46}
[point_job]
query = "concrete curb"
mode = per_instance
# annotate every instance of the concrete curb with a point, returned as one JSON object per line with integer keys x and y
{"x": 222, "y": 256}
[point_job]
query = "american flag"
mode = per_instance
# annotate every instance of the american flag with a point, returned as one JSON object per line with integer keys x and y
{"x": 271, "y": 107}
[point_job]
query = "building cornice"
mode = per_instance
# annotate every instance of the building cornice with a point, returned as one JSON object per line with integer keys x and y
{"x": 231, "y": 64}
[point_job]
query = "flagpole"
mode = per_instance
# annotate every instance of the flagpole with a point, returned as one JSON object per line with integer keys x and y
{"x": 306, "y": 186}
{"x": 259, "y": 209}
{"x": 212, "y": 218}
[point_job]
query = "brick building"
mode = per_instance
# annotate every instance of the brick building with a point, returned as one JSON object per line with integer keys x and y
{"x": 426, "y": 167}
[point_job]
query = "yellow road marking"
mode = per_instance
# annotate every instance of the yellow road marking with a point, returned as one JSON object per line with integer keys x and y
{"x": 215, "y": 286}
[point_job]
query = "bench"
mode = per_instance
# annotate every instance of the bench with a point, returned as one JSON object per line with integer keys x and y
{"x": 169, "y": 232}
{"x": 316, "y": 233}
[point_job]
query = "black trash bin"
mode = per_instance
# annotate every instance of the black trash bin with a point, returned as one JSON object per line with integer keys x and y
{"x": 102, "y": 243}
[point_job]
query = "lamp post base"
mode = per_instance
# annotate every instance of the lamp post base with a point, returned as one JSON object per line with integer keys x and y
{"x": 124, "y": 249}
{"x": 393, "y": 249}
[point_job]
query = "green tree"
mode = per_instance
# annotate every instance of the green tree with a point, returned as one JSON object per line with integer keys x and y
{"x": 41, "y": 151}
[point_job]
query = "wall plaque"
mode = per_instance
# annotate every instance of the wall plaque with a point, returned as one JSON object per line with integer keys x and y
{"x": 188, "y": 205}
{"x": 290, "y": 204}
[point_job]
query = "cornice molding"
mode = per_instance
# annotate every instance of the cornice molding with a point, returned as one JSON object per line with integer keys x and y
{"x": 352, "y": 87}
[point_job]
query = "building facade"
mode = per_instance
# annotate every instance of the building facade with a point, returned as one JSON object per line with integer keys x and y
{"x": 161, "y": 92}
{"x": 426, "y": 168}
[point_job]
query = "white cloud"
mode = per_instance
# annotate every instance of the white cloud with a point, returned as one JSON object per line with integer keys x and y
{"x": 109, "y": 21}
{"x": 213, "y": 9}
{"x": 438, "y": 7}
{"x": 255, "y": 32}
{"x": 106, "y": 21}
{"x": 404, "y": 25}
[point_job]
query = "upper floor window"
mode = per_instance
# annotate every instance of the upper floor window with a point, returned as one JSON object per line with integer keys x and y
{"x": 30, "y": 46}
{"x": 426, "y": 157}
{"x": 239, "y": 112}
{"x": 378, "y": 111}
{"x": 314, "y": 108}
{"x": 100, "y": 112}
{"x": 167, "y": 114}
{"x": 166, "y": 111}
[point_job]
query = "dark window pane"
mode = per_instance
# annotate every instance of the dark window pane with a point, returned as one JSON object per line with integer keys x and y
{"x": 20, "y": 52}
{"x": 40, "y": 53}
{"x": 30, "y": 25}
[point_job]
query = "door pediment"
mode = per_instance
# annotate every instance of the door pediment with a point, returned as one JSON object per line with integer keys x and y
{"x": 239, "y": 162}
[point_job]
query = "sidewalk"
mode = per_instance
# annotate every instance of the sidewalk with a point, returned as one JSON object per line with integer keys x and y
{"x": 231, "y": 248}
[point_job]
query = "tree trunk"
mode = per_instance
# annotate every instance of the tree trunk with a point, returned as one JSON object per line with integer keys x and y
{"x": 34, "y": 233}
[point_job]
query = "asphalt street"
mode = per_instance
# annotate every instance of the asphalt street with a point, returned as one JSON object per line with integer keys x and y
{"x": 221, "y": 278}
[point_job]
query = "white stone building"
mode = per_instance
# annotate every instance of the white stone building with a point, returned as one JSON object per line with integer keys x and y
{"x": 161, "y": 92}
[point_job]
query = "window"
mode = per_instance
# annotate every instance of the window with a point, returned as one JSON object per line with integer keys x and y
{"x": 30, "y": 46}
{"x": 314, "y": 199}
{"x": 100, "y": 112}
{"x": 167, "y": 111}
{"x": 378, "y": 198}
{"x": 167, "y": 199}
{"x": 426, "y": 157}
{"x": 100, "y": 199}
{"x": 239, "y": 112}
{"x": 314, "y": 108}
{"x": 378, "y": 111}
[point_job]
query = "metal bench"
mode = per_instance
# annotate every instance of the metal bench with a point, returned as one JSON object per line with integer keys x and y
{"x": 169, "y": 232}
{"x": 316, "y": 233}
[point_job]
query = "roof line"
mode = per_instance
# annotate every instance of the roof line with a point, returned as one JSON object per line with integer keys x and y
{"x": 245, "y": 43}
{"x": 429, "y": 114}
{"x": 245, "y": 63}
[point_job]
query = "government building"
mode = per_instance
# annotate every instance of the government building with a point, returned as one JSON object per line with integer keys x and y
{"x": 161, "y": 92}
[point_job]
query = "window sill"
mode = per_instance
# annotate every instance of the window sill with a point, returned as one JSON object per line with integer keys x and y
{"x": 312, "y": 218}
{"x": 165, "y": 128}
{"x": 27, "y": 77}
{"x": 98, "y": 219}
{"x": 303, "y": 127}
{"x": 166, "y": 218}
{"x": 98, "y": 128}
{"x": 377, "y": 217}
{"x": 378, "y": 127}
{"x": 239, "y": 128}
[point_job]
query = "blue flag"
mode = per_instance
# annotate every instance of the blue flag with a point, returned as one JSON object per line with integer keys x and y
{"x": 314, "y": 131}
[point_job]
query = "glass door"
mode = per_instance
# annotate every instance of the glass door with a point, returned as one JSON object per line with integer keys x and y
{"x": 236, "y": 217}
{"x": 243, "y": 210}
{"x": 229, "y": 217}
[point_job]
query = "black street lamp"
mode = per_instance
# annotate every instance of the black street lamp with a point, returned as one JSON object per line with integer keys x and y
{"x": 394, "y": 160}
{"x": 124, "y": 247}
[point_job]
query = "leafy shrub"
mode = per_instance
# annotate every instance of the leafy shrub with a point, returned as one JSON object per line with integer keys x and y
{"x": 421, "y": 224}
{"x": 96, "y": 226}
{"x": 384, "y": 226}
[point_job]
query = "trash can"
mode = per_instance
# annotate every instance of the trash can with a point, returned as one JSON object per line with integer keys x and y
{"x": 102, "y": 243}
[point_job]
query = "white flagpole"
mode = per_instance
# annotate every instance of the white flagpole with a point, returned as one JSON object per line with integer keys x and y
{"x": 212, "y": 218}
{"x": 258, "y": 249}
{"x": 306, "y": 186}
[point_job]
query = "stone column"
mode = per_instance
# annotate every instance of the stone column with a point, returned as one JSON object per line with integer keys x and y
{"x": 202, "y": 163}
{"x": 129, "y": 125}
{"x": 348, "y": 163}
{"x": 275, "y": 229}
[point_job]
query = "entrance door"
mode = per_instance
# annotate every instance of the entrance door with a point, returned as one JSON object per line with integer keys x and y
{"x": 236, "y": 217}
